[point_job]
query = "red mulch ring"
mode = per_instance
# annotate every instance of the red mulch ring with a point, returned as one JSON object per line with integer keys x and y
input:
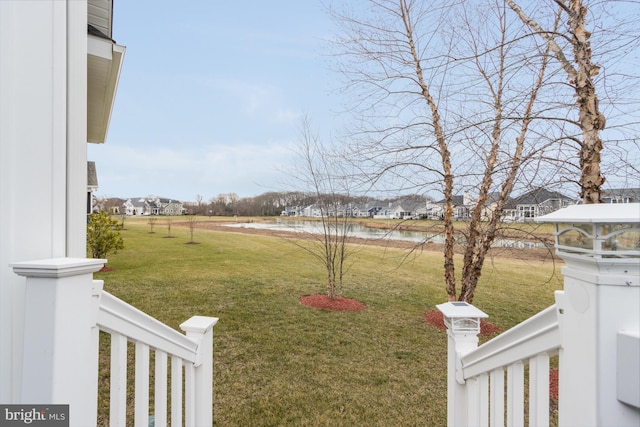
{"x": 105, "y": 269}
{"x": 322, "y": 301}
{"x": 435, "y": 318}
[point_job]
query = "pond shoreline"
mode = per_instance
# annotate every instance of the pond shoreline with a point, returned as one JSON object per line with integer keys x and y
{"x": 538, "y": 254}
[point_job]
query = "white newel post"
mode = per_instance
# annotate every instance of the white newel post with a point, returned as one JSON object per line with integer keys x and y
{"x": 60, "y": 335}
{"x": 200, "y": 383}
{"x": 463, "y": 326}
{"x": 599, "y": 314}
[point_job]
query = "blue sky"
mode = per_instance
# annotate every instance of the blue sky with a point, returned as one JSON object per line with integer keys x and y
{"x": 211, "y": 94}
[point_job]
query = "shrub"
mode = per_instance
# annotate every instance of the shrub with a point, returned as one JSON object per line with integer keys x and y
{"x": 103, "y": 235}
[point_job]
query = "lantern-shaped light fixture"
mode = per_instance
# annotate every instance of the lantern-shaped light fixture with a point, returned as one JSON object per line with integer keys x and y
{"x": 461, "y": 318}
{"x": 597, "y": 231}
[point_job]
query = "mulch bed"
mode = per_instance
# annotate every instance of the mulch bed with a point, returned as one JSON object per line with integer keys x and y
{"x": 322, "y": 301}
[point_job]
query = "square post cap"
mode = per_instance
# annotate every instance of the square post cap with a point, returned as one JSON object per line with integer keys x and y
{"x": 461, "y": 317}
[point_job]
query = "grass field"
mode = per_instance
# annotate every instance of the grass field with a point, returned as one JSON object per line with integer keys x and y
{"x": 277, "y": 362}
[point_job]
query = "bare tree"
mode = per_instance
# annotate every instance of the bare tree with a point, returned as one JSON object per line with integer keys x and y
{"x": 192, "y": 222}
{"x": 581, "y": 72}
{"x": 169, "y": 221}
{"x": 152, "y": 222}
{"x": 446, "y": 97}
{"x": 321, "y": 174}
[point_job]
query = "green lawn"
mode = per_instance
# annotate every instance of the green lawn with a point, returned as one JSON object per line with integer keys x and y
{"x": 277, "y": 362}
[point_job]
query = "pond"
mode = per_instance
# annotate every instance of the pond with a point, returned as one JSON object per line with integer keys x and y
{"x": 363, "y": 232}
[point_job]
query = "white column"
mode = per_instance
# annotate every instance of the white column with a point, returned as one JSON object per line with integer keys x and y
{"x": 200, "y": 328}
{"x": 463, "y": 326}
{"x": 76, "y": 153}
{"x": 460, "y": 343}
{"x": 601, "y": 297}
{"x": 60, "y": 347}
{"x": 34, "y": 60}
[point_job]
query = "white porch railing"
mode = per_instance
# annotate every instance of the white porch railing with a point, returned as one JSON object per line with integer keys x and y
{"x": 191, "y": 354}
{"x": 477, "y": 389}
{"x": 594, "y": 328}
{"x": 66, "y": 308}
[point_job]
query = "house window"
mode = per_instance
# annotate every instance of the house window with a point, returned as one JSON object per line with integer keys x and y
{"x": 527, "y": 211}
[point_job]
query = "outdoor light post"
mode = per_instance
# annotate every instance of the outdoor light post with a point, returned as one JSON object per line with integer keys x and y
{"x": 599, "y": 313}
{"x": 463, "y": 326}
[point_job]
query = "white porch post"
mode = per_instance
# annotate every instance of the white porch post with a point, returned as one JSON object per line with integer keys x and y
{"x": 60, "y": 335}
{"x": 200, "y": 328}
{"x": 601, "y": 300}
{"x": 463, "y": 326}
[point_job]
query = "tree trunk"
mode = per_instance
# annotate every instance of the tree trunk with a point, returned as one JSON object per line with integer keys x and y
{"x": 449, "y": 267}
{"x": 590, "y": 119}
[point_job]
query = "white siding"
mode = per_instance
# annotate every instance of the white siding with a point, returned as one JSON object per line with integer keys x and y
{"x": 100, "y": 15}
{"x": 36, "y": 106}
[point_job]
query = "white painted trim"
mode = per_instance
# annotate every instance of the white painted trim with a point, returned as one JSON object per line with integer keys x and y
{"x": 58, "y": 267}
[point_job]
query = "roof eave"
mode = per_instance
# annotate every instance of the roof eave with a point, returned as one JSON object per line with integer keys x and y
{"x": 104, "y": 64}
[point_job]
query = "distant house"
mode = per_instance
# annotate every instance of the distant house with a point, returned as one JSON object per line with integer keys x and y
{"x": 136, "y": 206}
{"x": 312, "y": 211}
{"x": 292, "y": 211}
{"x": 113, "y": 206}
{"x": 535, "y": 203}
{"x": 490, "y": 206}
{"x": 153, "y": 206}
{"x": 365, "y": 210}
{"x": 621, "y": 195}
{"x": 462, "y": 206}
{"x": 433, "y": 210}
{"x": 163, "y": 206}
{"x": 404, "y": 209}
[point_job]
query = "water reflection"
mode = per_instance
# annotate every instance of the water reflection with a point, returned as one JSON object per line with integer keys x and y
{"x": 363, "y": 232}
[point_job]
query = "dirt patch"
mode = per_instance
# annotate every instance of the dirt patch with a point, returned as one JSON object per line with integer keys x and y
{"x": 105, "y": 269}
{"x": 436, "y": 319}
{"x": 322, "y": 301}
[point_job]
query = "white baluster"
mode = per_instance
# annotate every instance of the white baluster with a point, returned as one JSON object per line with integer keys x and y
{"x": 142, "y": 385}
{"x": 483, "y": 383}
{"x": 497, "y": 398}
{"x": 539, "y": 390}
{"x": 515, "y": 394}
{"x": 118, "y": 381}
{"x": 176, "y": 391}
{"x": 160, "y": 390}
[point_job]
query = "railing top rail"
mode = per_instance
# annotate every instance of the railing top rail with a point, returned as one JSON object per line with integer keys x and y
{"x": 535, "y": 335}
{"x": 116, "y": 316}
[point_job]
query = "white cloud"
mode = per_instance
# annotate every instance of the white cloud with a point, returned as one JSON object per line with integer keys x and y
{"x": 183, "y": 172}
{"x": 287, "y": 116}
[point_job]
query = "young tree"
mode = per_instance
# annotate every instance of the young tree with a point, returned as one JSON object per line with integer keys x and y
{"x": 446, "y": 96}
{"x": 192, "y": 221}
{"x": 325, "y": 183}
{"x": 169, "y": 221}
{"x": 152, "y": 222}
{"x": 103, "y": 235}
